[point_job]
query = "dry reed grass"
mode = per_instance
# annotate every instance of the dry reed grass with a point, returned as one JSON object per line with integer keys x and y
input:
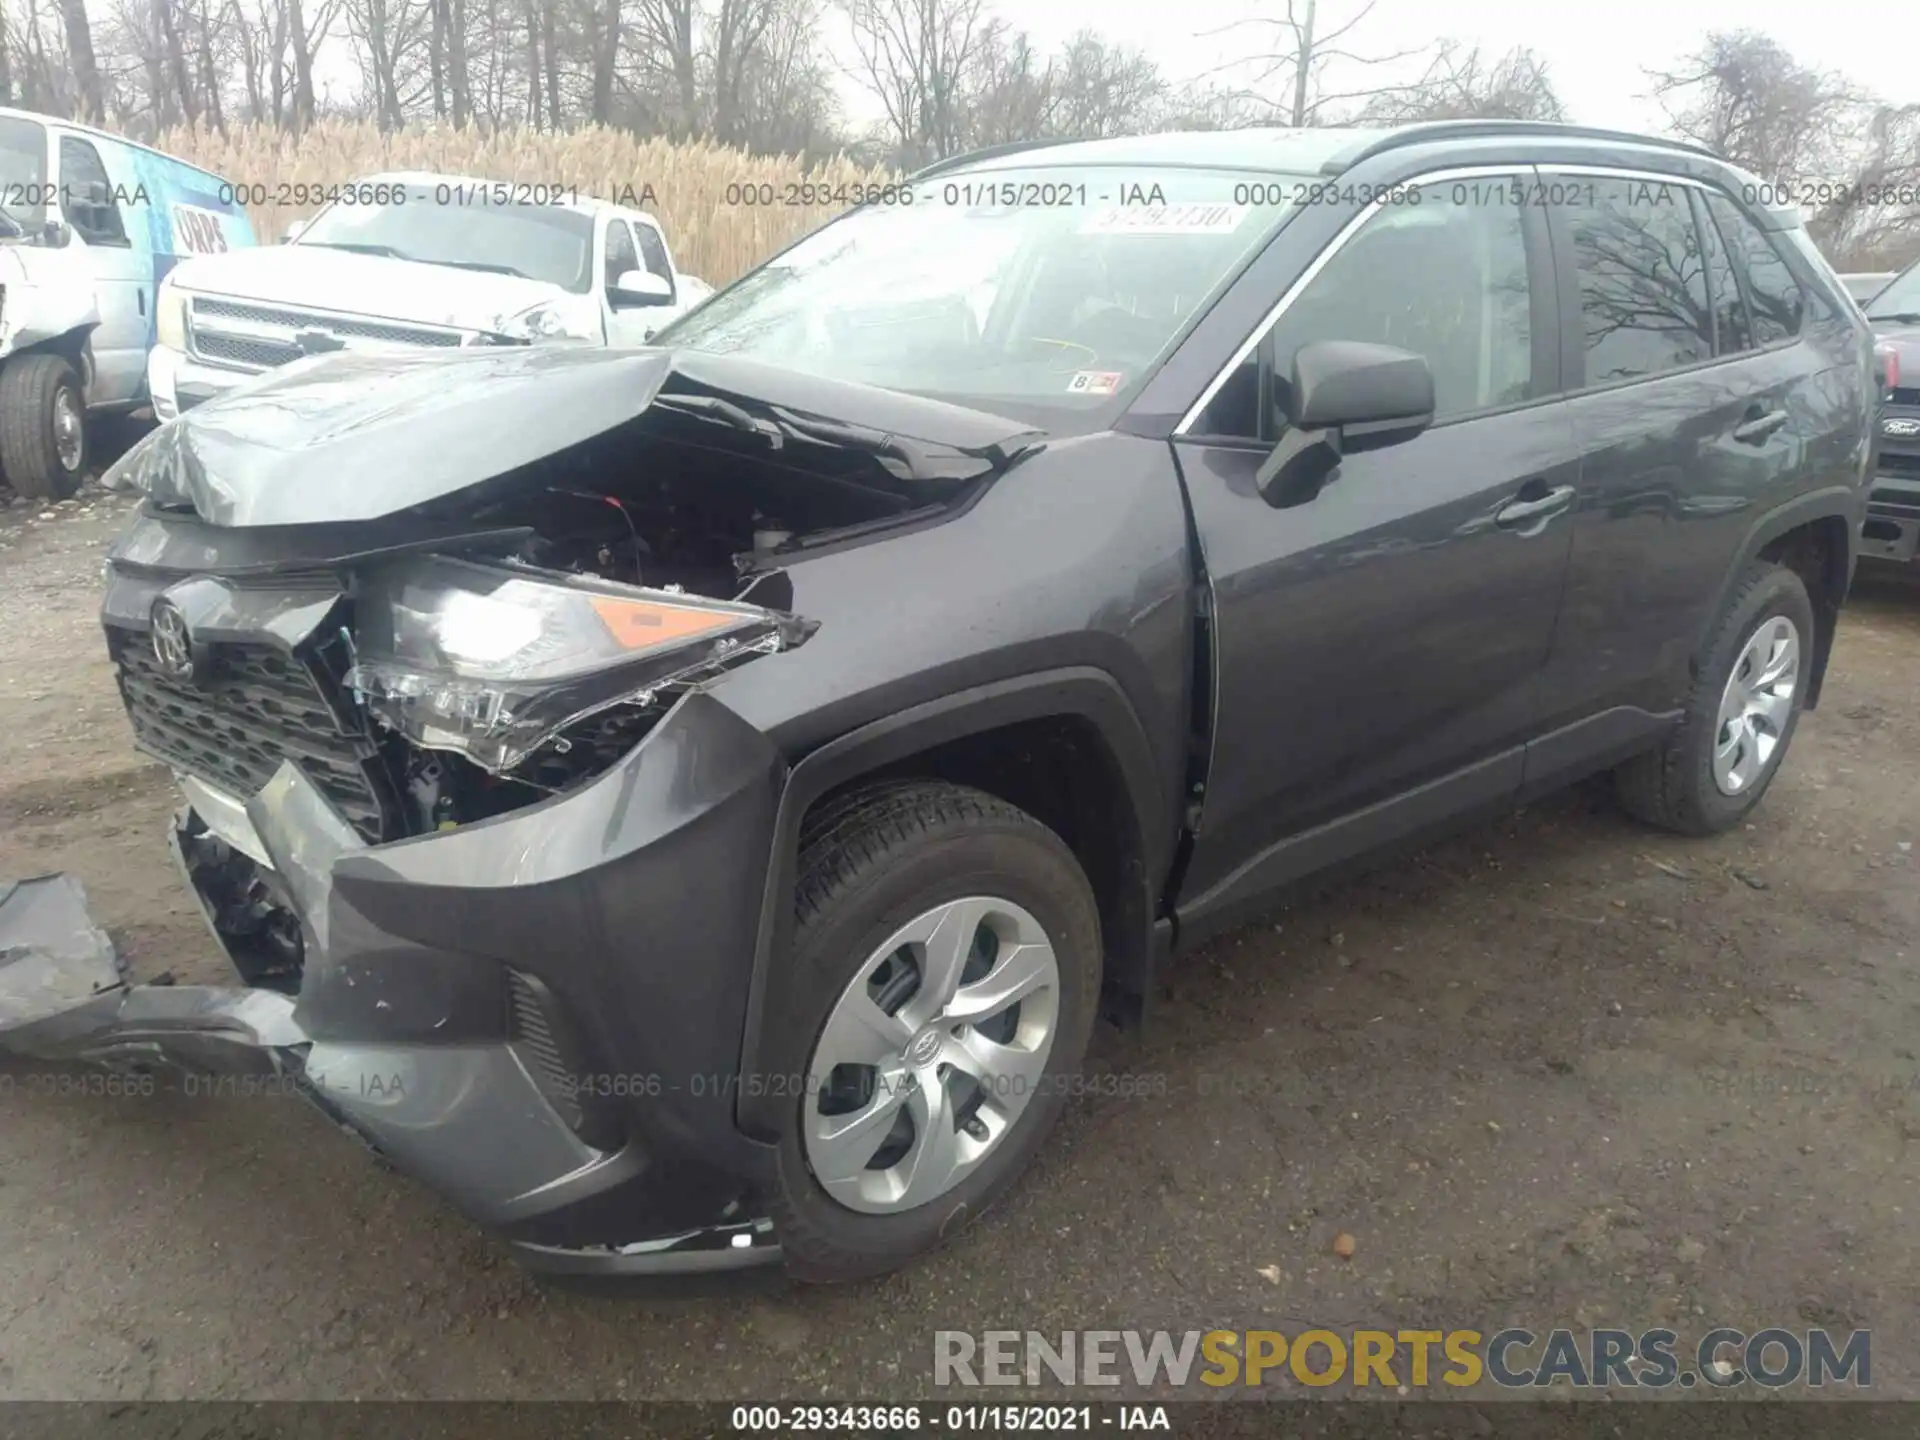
{"x": 713, "y": 234}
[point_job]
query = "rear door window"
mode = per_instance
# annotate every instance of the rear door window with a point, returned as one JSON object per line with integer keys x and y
{"x": 1643, "y": 279}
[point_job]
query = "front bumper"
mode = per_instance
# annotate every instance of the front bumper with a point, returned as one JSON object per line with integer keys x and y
{"x": 1892, "y": 528}
{"x": 178, "y": 382}
{"x": 596, "y": 1136}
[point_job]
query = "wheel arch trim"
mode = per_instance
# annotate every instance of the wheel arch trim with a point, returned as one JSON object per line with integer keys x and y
{"x": 1832, "y": 502}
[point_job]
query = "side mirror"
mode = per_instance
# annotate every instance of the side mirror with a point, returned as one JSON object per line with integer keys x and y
{"x": 634, "y": 288}
{"x": 292, "y": 232}
{"x": 1343, "y": 397}
{"x": 55, "y": 233}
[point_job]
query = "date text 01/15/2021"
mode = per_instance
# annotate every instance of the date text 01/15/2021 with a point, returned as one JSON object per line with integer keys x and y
{"x": 948, "y": 1419}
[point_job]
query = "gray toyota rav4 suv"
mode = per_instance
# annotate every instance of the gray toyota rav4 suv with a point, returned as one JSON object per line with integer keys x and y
{"x": 689, "y": 805}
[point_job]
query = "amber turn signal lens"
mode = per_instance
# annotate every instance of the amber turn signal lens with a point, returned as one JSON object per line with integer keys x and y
{"x": 645, "y": 624}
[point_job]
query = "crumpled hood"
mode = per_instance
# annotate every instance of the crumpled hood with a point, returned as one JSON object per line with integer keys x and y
{"x": 313, "y": 277}
{"x": 345, "y": 437}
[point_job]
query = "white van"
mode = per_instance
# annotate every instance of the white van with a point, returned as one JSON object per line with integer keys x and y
{"x": 90, "y": 224}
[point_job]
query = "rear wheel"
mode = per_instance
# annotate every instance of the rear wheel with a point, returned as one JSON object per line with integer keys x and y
{"x": 1740, "y": 716}
{"x": 43, "y": 432}
{"x": 948, "y": 952}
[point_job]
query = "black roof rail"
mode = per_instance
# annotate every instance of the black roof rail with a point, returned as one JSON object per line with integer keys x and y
{"x": 985, "y": 152}
{"x": 1491, "y": 129}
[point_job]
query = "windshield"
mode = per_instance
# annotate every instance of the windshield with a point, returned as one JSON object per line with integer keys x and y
{"x": 1901, "y": 297}
{"x": 541, "y": 242}
{"x": 1057, "y": 287}
{"x": 23, "y": 171}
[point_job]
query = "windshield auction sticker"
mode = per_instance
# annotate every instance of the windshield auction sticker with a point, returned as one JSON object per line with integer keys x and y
{"x": 1195, "y": 219}
{"x": 1094, "y": 382}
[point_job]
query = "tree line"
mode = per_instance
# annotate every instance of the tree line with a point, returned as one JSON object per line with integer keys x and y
{"x": 944, "y": 76}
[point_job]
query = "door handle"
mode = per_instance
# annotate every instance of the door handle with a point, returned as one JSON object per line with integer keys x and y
{"x": 1526, "y": 508}
{"x": 1758, "y": 425}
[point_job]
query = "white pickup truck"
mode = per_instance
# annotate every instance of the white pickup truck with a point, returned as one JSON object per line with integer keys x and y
{"x": 410, "y": 260}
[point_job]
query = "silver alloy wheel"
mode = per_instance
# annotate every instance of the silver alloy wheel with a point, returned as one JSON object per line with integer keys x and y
{"x": 68, "y": 428}
{"x": 1756, "y": 705}
{"x": 931, "y": 1054}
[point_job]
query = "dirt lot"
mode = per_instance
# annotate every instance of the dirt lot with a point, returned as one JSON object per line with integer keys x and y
{"x": 1560, "y": 1071}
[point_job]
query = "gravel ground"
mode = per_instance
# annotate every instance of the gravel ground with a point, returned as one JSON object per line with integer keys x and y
{"x": 1558, "y": 1071}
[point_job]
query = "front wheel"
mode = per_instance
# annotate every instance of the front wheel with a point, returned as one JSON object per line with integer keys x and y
{"x": 948, "y": 956}
{"x": 1741, "y": 714}
{"x": 43, "y": 432}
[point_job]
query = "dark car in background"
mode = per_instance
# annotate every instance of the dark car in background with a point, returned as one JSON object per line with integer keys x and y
{"x": 689, "y": 805}
{"x": 1892, "y": 530}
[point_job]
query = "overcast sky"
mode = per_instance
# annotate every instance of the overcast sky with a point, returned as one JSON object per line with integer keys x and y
{"x": 1596, "y": 53}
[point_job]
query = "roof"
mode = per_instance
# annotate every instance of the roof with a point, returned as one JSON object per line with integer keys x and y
{"x": 1285, "y": 149}
{"x": 41, "y": 118}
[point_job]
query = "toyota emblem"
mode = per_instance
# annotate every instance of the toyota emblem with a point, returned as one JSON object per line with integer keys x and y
{"x": 172, "y": 644}
{"x": 925, "y": 1047}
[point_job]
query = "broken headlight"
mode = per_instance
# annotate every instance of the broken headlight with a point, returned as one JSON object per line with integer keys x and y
{"x": 492, "y": 661}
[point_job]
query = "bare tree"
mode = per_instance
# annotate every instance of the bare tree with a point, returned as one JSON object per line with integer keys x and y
{"x": 739, "y": 28}
{"x": 918, "y": 58}
{"x": 1105, "y": 89}
{"x": 788, "y": 104}
{"x": 1808, "y": 133}
{"x": 1205, "y": 105}
{"x": 665, "y": 32}
{"x": 1744, "y": 97}
{"x": 387, "y": 34}
{"x": 1301, "y": 48}
{"x": 209, "y": 77}
{"x": 1460, "y": 85}
{"x": 86, "y": 71}
{"x": 603, "y": 33}
{"x": 1872, "y": 220}
{"x": 1012, "y": 95}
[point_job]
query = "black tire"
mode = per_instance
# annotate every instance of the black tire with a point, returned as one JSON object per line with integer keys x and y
{"x": 868, "y": 865}
{"x": 31, "y": 387}
{"x": 1673, "y": 787}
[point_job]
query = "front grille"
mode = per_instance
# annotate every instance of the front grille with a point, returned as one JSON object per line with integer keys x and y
{"x": 1905, "y": 396}
{"x": 257, "y": 707}
{"x": 262, "y": 337}
{"x": 1900, "y": 462}
{"x": 239, "y": 350}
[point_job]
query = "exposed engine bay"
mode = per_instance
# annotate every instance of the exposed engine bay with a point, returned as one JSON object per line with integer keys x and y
{"x": 665, "y": 505}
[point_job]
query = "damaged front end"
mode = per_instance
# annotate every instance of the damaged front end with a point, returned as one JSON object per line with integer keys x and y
{"x": 427, "y": 642}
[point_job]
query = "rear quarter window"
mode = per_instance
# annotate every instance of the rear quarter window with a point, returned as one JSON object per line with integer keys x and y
{"x": 1777, "y": 303}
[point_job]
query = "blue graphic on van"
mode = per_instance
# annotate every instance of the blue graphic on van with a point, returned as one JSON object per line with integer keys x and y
{"x": 184, "y": 214}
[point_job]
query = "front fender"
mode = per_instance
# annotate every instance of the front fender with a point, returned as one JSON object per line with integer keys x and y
{"x": 44, "y": 301}
{"x": 1082, "y": 692}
